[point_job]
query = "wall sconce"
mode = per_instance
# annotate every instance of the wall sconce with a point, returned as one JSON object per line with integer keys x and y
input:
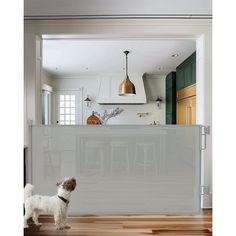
{"x": 158, "y": 101}
{"x": 88, "y": 101}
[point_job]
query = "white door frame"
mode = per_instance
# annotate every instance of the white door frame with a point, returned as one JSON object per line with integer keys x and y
{"x": 198, "y": 29}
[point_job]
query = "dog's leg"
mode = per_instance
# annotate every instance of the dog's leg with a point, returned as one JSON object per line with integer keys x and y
{"x": 58, "y": 221}
{"x": 66, "y": 226}
{"x": 28, "y": 214}
{"x": 35, "y": 218}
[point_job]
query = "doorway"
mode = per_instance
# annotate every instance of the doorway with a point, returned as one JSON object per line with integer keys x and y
{"x": 198, "y": 29}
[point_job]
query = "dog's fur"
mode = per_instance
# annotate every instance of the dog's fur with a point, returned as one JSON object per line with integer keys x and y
{"x": 37, "y": 204}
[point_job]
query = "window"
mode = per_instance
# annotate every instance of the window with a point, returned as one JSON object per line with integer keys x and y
{"x": 67, "y": 110}
{"x": 68, "y": 107}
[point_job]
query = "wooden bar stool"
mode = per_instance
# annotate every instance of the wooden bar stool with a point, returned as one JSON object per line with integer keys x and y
{"x": 119, "y": 157}
{"x": 143, "y": 160}
{"x": 94, "y": 157}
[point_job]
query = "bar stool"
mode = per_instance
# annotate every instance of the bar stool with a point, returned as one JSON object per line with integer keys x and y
{"x": 119, "y": 158}
{"x": 145, "y": 161}
{"x": 94, "y": 157}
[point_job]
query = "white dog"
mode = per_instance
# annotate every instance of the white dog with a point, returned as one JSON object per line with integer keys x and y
{"x": 56, "y": 205}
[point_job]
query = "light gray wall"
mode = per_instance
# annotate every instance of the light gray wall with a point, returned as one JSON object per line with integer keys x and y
{"x": 154, "y": 86}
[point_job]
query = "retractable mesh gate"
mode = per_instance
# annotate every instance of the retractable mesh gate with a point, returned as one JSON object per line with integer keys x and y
{"x": 120, "y": 169}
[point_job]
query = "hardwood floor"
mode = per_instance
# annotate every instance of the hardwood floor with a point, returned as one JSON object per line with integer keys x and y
{"x": 127, "y": 225}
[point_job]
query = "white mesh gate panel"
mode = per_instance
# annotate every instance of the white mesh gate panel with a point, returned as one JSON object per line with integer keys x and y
{"x": 120, "y": 169}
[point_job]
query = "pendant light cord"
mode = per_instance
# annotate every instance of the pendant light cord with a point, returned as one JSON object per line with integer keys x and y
{"x": 126, "y": 53}
{"x": 126, "y": 65}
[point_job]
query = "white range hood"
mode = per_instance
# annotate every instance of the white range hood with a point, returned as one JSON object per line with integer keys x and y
{"x": 109, "y": 86}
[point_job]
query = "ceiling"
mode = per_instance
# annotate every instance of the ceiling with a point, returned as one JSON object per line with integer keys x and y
{"x": 116, "y": 7}
{"x": 71, "y": 57}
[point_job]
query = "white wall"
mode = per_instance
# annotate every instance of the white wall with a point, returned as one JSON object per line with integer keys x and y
{"x": 154, "y": 86}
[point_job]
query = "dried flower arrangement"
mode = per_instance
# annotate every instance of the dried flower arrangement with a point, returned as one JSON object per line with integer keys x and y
{"x": 106, "y": 116}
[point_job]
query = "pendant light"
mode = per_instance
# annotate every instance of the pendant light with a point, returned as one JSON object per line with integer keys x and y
{"x": 126, "y": 88}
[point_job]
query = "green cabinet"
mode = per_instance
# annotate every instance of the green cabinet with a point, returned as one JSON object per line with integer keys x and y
{"x": 171, "y": 98}
{"x": 179, "y": 78}
{"x": 187, "y": 75}
{"x": 170, "y": 119}
{"x": 193, "y": 71}
{"x": 186, "y": 72}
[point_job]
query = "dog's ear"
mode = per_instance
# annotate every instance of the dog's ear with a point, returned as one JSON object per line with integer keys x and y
{"x": 73, "y": 179}
{"x": 59, "y": 183}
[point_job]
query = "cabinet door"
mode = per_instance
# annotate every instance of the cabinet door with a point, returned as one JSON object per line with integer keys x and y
{"x": 186, "y": 72}
{"x": 180, "y": 78}
{"x": 169, "y": 100}
{"x": 169, "y": 81}
{"x": 171, "y": 118}
{"x": 193, "y": 110}
{"x": 193, "y": 71}
{"x": 186, "y": 111}
{"x": 182, "y": 111}
{"x": 188, "y": 75}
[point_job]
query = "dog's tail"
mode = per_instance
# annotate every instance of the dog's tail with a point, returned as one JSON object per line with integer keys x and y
{"x": 28, "y": 191}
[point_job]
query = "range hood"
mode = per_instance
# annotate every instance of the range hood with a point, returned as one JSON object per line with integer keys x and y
{"x": 109, "y": 86}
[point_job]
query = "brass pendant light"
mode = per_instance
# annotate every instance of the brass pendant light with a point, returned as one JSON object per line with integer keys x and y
{"x": 126, "y": 88}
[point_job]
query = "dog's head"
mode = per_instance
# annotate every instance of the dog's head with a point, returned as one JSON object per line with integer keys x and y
{"x": 68, "y": 184}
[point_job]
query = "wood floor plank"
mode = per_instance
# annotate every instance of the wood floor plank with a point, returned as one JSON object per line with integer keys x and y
{"x": 182, "y": 233}
{"x": 141, "y": 225}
